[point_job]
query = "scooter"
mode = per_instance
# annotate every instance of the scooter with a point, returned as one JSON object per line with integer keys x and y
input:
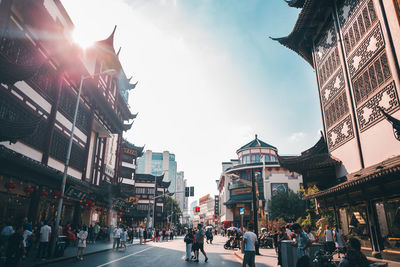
{"x": 232, "y": 243}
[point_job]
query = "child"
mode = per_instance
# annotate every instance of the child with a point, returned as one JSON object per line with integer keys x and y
{"x": 82, "y": 235}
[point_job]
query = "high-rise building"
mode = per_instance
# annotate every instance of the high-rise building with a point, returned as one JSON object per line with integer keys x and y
{"x": 157, "y": 163}
{"x": 180, "y": 188}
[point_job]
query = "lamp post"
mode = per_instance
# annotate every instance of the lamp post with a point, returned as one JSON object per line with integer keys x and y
{"x": 255, "y": 210}
{"x": 66, "y": 164}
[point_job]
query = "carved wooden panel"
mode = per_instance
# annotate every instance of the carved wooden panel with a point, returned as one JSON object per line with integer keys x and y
{"x": 340, "y": 134}
{"x": 368, "y": 49}
{"x": 358, "y": 25}
{"x": 336, "y": 109}
{"x": 369, "y": 114}
{"x": 333, "y": 87}
{"x": 371, "y": 78}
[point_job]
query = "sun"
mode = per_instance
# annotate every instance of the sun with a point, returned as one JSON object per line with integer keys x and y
{"x": 82, "y": 39}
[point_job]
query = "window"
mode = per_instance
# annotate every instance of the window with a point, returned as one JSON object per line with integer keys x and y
{"x": 273, "y": 158}
{"x": 246, "y": 159}
{"x": 255, "y": 158}
{"x": 267, "y": 158}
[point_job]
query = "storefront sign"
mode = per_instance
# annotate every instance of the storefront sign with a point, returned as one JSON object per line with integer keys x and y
{"x": 241, "y": 211}
{"x": 241, "y": 191}
{"x": 216, "y": 206}
{"x": 118, "y": 203}
{"x": 108, "y": 170}
{"x": 75, "y": 193}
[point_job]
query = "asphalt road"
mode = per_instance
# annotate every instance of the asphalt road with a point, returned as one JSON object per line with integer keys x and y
{"x": 170, "y": 253}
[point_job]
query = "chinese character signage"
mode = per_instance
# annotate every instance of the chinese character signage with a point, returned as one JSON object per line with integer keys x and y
{"x": 216, "y": 206}
{"x": 75, "y": 193}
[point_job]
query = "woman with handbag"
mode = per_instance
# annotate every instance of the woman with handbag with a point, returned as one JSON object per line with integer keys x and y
{"x": 189, "y": 238}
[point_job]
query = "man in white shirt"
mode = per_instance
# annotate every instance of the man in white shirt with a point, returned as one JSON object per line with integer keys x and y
{"x": 249, "y": 241}
{"x": 141, "y": 235}
{"x": 117, "y": 236}
{"x": 45, "y": 232}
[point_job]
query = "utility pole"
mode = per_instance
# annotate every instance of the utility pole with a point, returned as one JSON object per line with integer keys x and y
{"x": 255, "y": 210}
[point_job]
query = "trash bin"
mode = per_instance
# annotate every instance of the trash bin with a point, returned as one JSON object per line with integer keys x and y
{"x": 289, "y": 253}
{"x": 60, "y": 246}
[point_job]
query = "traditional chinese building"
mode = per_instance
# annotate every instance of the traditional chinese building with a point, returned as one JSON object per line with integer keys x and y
{"x": 40, "y": 73}
{"x": 147, "y": 187}
{"x": 353, "y": 46}
{"x": 260, "y": 160}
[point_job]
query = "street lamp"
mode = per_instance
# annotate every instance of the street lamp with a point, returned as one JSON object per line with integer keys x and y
{"x": 66, "y": 164}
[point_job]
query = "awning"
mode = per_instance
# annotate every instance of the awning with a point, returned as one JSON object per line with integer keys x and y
{"x": 374, "y": 174}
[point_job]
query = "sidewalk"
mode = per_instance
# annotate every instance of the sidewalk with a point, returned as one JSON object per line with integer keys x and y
{"x": 268, "y": 257}
{"x": 71, "y": 252}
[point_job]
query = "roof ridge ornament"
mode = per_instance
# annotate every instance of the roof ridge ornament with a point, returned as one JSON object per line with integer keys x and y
{"x": 395, "y": 123}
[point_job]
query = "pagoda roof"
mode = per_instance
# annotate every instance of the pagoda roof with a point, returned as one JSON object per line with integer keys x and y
{"x": 256, "y": 143}
{"x": 295, "y": 3}
{"x": 377, "y": 173}
{"x": 132, "y": 146}
{"x": 311, "y": 19}
{"x": 314, "y": 158}
{"x": 150, "y": 178}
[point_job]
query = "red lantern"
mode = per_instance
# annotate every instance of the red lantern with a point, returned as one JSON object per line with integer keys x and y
{"x": 89, "y": 204}
{"x": 28, "y": 190}
{"x": 43, "y": 194}
{"x": 10, "y": 186}
{"x": 56, "y": 193}
{"x": 258, "y": 170}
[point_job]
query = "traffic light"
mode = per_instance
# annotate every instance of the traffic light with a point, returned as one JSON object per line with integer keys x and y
{"x": 186, "y": 191}
{"x": 197, "y": 209}
{"x": 192, "y": 191}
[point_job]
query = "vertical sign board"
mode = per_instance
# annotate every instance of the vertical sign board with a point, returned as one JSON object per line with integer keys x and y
{"x": 241, "y": 211}
{"x": 216, "y": 206}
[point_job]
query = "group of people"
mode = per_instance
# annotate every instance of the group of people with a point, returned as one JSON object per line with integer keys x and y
{"x": 194, "y": 240}
{"x": 334, "y": 240}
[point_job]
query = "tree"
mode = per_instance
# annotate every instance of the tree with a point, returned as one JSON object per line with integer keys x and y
{"x": 172, "y": 207}
{"x": 286, "y": 205}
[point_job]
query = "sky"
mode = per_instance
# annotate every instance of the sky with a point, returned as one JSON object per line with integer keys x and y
{"x": 209, "y": 77}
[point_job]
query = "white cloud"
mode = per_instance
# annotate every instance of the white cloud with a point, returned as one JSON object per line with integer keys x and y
{"x": 297, "y": 137}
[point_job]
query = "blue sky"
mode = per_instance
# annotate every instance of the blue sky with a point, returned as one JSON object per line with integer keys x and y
{"x": 209, "y": 77}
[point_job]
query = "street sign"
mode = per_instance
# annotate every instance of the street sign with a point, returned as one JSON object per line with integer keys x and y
{"x": 241, "y": 211}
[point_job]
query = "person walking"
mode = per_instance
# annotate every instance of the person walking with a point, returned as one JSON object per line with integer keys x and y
{"x": 117, "y": 237}
{"x": 45, "y": 232}
{"x": 144, "y": 235}
{"x": 27, "y": 235}
{"x": 189, "y": 238}
{"x": 249, "y": 241}
{"x": 82, "y": 236}
{"x": 141, "y": 235}
{"x": 123, "y": 238}
{"x": 200, "y": 243}
{"x": 338, "y": 237}
{"x": 96, "y": 230}
{"x": 330, "y": 244}
{"x": 15, "y": 248}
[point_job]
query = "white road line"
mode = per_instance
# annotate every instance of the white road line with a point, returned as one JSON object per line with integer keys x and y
{"x": 127, "y": 256}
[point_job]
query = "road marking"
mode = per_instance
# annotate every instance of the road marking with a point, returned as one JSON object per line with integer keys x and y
{"x": 127, "y": 256}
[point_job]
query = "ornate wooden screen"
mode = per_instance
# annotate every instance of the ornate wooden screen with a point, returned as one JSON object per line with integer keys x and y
{"x": 366, "y": 59}
{"x": 332, "y": 86}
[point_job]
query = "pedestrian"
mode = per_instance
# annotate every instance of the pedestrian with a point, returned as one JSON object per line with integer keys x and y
{"x": 338, "y": 237}
{"x": 144, "y": 235}
{"x": 329, "y": 243}
{"x": 302, "y": 242}
{"x": 27, "y": 235}
{"x": 164, "y": 234}
{"x": 6, "y": 232}
{"x": 45, "y": 232}
{"x": 117, "y": 237}
{"x": 123, "y": 238}
{"x": 141, "y": 232}
{"x": 250, "y": 241}
{"x": 96, "y": 231}
{"x": 15, "y": 248}
{"x": 200, "y": 243}
{"x": 354, "y": 257}
{"x": 90, "y": 238}
{"x": 82, "y": 236}
{"x": 157, "y": 235}
{"x": 189, "y": 238}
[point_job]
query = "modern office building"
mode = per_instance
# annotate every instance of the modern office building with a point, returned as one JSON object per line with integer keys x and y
{"x": 159, "y": 163}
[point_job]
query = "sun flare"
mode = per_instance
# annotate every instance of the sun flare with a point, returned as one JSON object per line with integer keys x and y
{"x": 82, "y": 39}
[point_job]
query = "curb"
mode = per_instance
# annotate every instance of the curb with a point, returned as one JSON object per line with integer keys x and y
{"x": 73, "y": 257}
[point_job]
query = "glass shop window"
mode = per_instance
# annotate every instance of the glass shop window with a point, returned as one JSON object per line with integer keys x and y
{"x": 358, "y": 224}
{"x": 391, "y": 236}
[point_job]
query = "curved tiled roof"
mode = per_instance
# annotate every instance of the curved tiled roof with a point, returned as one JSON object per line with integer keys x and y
{"x": 256, "y": 143}
{"x": 313, "y": 15}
